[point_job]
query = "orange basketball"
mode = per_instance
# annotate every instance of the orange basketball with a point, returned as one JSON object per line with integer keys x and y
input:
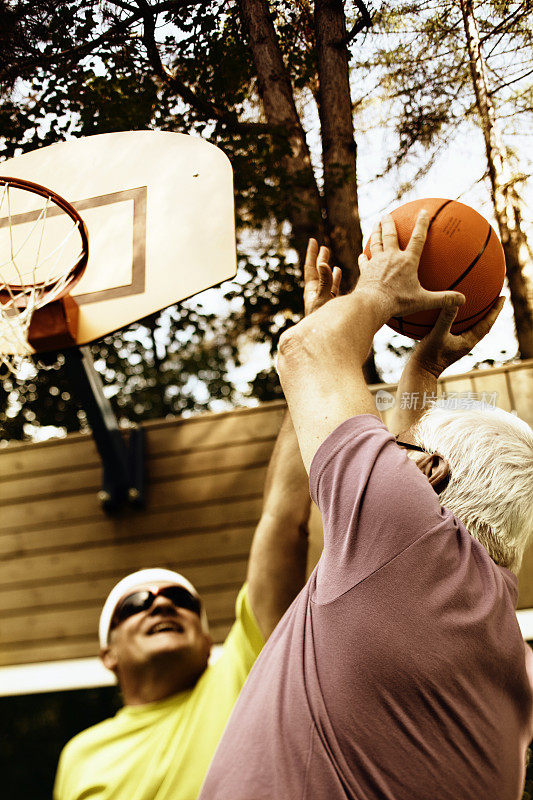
{"x": 462, "y": 252}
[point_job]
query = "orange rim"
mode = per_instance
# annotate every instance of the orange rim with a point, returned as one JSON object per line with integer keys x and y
{"x": 77, "y": 269}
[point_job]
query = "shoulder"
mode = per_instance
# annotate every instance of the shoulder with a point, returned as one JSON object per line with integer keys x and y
{"x": 246, "y": 625}
{"x": 78, "y": 755}
{"x": 358, "y": 439}
{"x": 87, "y": 739}
{"x": 244, "y": 641}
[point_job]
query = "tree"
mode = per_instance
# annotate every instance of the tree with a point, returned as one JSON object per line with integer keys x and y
{"x": 455, "y": 63}
{"x": 508, "y": 206}
{"x": 91, "y": 67}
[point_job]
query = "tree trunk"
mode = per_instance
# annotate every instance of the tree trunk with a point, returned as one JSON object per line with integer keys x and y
{"x": 506, "y": 201}
{"x": 338, "y": 144}
{"x": 280, "y": 110}
{"x": 339, "y": 150}
{"x": 276, "y": 93}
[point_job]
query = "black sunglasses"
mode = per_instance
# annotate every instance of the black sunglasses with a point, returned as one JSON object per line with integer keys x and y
{"x": 143, "y": 600}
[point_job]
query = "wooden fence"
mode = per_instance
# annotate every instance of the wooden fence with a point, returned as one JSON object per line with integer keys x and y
{"x": 60, "y": 554}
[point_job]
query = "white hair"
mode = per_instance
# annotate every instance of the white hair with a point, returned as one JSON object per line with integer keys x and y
{"x": 490, "y": 453}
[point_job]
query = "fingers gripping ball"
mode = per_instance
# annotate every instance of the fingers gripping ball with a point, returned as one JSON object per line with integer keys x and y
{"x": 462, "y": 252}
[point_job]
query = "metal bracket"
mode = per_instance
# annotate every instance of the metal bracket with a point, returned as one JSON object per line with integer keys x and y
{"x": 123, "y": 478}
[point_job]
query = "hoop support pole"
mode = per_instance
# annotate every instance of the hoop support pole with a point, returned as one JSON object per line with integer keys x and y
{"x": 123, "y": 480}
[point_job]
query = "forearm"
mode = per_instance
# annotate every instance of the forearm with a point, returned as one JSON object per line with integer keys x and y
{"x": 286, "y": 492}
{"x": 320, "y": 363}
{"x": 416, "y": 385}
{"x": 278, "y": 556}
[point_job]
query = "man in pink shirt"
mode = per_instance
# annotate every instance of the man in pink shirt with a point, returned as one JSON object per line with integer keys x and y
{"x": 399, "y": 671}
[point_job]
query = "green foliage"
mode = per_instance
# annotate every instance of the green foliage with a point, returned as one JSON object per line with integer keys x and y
{"x": 178, "y": 360}
{"x": 83, "y": 67}
{"x": 168, "y": 364}
{"x": 424, "y": 74}
{"x": 171, "y": 363}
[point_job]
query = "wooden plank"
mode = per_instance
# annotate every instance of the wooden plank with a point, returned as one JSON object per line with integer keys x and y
{"x": 492, "y": 389}
{"x": 522, "y": 387}
{"x": 81, "y": 619}
{"x": 132, "y": 526}
{"x": 518, "y": 366}
{"x": 171, "y": 466}
{"x": 210, "y": 431}
{"x": 72, "y": 592}
{"x": 202, "y": 432}
{"x": 122, "y": 558}
{"x": 525, "y": 581}
{"x": 31, "y": 652}
{"x": 83, "y": 647}
{"x": 457, "y": 389}
{"x": 42, "y": 457}
{"x": 170, "y": 493}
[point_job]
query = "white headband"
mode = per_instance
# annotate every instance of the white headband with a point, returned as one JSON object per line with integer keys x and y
{"x": 140, "y": 578}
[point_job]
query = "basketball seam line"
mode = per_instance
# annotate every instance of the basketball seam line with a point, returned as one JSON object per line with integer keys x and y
{"x": 399, "y": 320}
{"x": 437, "y": 212}
{"x": 474, "y": 262}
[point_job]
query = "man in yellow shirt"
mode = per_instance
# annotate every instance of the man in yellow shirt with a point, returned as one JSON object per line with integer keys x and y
{"x": 155, "y": 638}
{"x": 162, "y": 748}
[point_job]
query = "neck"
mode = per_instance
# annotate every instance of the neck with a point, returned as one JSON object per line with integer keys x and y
{"x": 156, "y": 682}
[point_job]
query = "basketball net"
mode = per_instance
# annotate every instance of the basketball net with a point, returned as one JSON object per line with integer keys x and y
{"x": 35, "y": 269}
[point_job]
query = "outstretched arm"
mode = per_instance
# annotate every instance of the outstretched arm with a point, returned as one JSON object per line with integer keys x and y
{"x": 432, "y": 355}
{"x": 278, "y": 557}
{"x": 320, "y": 360}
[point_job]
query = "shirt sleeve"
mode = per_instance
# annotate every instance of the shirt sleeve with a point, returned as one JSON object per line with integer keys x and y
{"x": 374, "y": 502}
{"x": 244, "y": 642}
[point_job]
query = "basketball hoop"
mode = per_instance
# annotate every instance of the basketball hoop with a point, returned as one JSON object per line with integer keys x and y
{"x": 44, "y": 250}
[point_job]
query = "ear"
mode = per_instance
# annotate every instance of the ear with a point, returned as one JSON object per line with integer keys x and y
{"x": 109, "y": 659}
{"x": 436, "y": 469}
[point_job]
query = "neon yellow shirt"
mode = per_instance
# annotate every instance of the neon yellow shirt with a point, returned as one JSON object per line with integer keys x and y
{"x": 161, "y": 750}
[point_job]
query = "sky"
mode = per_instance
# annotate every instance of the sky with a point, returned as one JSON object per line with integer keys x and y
{"x": 457, "y": 174}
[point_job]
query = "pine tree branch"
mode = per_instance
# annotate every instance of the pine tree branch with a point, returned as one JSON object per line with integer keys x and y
{"x": 364, "y": 21}
{"x": 170, "y": 80}
{"x": 23, "y": 67}
{"x": 509, "y": 83}
{"x": 122, "y": 4}
{"x": 518, "y": 13}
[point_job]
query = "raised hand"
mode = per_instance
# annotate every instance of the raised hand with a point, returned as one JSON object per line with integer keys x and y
{"x": 440, "y": 347}
{"x": 392, "y": 274}
{"x": 321, "y": 282}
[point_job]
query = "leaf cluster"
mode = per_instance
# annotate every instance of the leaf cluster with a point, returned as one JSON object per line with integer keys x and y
{"x": 421, "y": 61}
{"x": 204, "y": 83}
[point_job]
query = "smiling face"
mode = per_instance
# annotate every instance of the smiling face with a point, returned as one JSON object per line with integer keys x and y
{"x": 162, "y": 636}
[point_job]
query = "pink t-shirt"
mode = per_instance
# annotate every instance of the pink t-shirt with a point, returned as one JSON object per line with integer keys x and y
{"x": 399, "y": 672}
